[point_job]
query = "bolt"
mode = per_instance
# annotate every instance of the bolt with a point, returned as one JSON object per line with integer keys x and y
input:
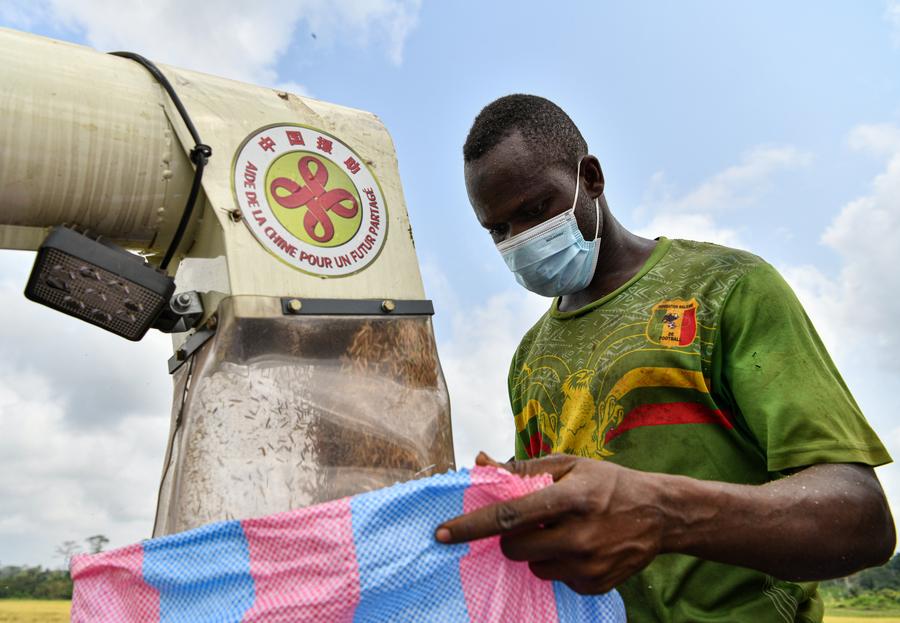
{"x": 213, "y": 322}
{"x": 236, "y": 215}
{"x": 388, "y": 306}
{"x": 182, "y": 301}
{"x": 295, "y": 305}
{"x": 180, "y": 354}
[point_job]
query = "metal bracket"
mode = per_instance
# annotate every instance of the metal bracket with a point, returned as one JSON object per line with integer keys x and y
{"x": 190, "y": 346}
{"x": 355, "y": 307}
{"x": 182, "y": 313}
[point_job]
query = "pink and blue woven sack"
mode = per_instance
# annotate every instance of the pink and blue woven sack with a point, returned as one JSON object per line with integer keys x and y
{"x": 368, "y": 558}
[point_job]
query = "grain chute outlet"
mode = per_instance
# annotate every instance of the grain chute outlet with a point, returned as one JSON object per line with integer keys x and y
{"x": 275, "y": 249}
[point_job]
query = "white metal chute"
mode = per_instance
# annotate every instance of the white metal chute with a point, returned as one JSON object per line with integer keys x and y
{"x": 273, "y": 407}
{"x": 85, "y": 138}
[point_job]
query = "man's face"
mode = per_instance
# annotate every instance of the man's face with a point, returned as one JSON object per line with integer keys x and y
{"x": 512, "y": 190}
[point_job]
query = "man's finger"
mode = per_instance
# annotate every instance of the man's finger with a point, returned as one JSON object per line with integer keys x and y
{"x": 557, "y": 465}
{"x": 483, "y": 460}
{"x": 540, "y": 507}
{"x": 539, "y": 544}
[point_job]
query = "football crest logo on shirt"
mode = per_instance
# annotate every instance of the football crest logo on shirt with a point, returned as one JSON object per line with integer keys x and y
{"x": 673, "y": 323}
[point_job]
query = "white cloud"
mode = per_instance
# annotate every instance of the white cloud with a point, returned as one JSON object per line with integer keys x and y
{"x": 22, "y": 13}
{"x": 60, "y": 482}
{"x": 384, "y": 23}
{"x": 737, "y": 185}
{"x": 693, "y": 214}
{"x": 691, "y": 226}
{"x": 475, "y": 359}
{"x": 97, "y": 377}
{"x": 228, "y": 38}
{"x": 860, "y": 303}
{"x": 84, "y": 416}
{"x": 879, "y": 138}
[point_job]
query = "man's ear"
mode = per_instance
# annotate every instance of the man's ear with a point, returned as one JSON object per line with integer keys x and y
{"x": 593, "y": 176}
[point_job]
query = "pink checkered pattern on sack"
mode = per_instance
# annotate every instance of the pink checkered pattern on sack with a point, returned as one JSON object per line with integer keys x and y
{"x": 304, "y": 565}
{"x": 111, "y": 587}
{"x": 486, "y": 573}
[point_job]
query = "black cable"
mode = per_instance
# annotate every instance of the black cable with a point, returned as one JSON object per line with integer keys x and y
{"x": 200, "y": 154}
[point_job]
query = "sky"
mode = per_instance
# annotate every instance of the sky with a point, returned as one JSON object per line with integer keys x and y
{"x": 772, "y": 127}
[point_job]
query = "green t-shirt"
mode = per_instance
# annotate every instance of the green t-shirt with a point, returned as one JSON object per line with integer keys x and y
{"x": 703, "y": 364}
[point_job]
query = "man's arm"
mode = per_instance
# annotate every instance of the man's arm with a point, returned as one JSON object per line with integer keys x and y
{"x": 600, "y": 523}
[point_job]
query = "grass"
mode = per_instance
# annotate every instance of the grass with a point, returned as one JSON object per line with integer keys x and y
{"x": 865, "y": 617}
{"x": 849, "y": 615}
{"x": 34, "y": 611}
{"x": 835, "y": 614}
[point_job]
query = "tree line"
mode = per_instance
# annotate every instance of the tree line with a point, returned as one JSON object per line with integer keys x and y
{"x": 24, "y": 582}
{"x": 874, "y": 589}
{"x": 34, "y": 583}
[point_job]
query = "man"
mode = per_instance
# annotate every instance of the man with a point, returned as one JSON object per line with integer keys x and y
{"x": 708, "y": 460}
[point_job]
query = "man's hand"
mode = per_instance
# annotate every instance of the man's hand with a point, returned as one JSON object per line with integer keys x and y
{"x": 599, "y": 523}
{"x": 593, "y": 528}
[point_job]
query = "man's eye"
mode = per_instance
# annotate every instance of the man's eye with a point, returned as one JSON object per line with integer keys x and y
{"x": 536, "y": 210}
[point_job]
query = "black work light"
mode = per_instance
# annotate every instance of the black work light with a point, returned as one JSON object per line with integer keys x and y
{"x": 93, "y": 279}
{"x": 99, "y": 283}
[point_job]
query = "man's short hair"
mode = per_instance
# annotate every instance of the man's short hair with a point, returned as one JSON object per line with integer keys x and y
{"x": 546, "y": 128}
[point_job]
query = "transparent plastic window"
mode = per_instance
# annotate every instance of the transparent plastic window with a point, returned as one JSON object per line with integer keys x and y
{"x": 286, "y": 412}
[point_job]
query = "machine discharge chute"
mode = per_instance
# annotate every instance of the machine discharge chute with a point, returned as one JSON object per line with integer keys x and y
{"x": 310, "y": 371}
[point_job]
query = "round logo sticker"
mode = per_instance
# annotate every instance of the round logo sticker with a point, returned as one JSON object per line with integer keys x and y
{"x": 310, "y": 200}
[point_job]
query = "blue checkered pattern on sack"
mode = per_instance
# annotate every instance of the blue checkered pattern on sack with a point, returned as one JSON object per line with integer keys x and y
{"x": 405, "y": 575}
{"x": 572, "y": 607}
{"x": 201, "y": 575}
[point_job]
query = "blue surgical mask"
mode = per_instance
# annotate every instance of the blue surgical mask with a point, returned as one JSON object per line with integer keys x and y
{"x": 553, "y": 258}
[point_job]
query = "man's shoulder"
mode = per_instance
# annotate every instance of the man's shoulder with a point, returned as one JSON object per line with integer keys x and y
{"x": 714, "y": 272}
{"x": 710, "y": 256}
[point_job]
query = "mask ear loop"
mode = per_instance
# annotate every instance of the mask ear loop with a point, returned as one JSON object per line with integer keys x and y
{"x": 596, "y": 202}
{"x": 577, "y": 185}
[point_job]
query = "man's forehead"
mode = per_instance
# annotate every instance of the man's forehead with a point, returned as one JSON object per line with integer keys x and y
{"x": 511, "y": 153}
{"x": 511, "y": 164}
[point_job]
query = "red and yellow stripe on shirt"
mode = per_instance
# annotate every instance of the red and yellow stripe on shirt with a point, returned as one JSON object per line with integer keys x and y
{"x": 586, "y": 426}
